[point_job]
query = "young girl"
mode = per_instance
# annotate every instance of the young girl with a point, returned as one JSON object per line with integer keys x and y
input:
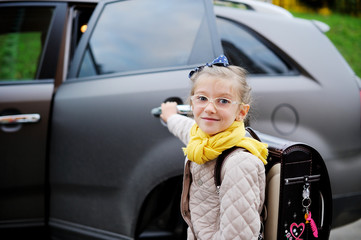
{"x": 220, "y": 99}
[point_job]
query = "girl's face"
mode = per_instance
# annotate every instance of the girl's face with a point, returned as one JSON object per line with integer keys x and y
{"x": 209, "y": 118}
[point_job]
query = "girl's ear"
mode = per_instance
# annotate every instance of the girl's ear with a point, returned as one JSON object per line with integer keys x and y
{"x": 242, "y": 113}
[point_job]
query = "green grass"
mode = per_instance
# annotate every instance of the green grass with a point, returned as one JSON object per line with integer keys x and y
{"x": 19, "y": 55}
{"x": 345, "y": 33}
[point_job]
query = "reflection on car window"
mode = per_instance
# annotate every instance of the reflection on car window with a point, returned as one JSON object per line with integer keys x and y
{"x": 245, "y": 50}
{"x": 141, "y": 34}
{"x": 22, "y": 37}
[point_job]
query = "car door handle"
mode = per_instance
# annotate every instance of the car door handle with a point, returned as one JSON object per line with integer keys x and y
{"x": 19, "y": 118}
{"x": 182, "y": 109}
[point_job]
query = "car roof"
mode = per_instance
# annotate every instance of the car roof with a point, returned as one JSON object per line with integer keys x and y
{"x": 70, "y": 1}
{"x": 259, "y": 6}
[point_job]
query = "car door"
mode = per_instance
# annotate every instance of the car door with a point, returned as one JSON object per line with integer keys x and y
{"x": 29, "y": 41}
{"x": 108, "y": 152}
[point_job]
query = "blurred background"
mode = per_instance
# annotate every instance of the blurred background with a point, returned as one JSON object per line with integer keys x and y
{"x": 343, "y": 17}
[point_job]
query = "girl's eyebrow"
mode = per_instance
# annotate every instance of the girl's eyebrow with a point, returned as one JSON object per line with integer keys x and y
{"x": 225, "y": 95}
{"x": 200, "y": 92}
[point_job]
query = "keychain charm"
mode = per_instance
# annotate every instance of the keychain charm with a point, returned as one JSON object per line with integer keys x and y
{"x": 306, "y": 203}
{"x": 309, "y": 219}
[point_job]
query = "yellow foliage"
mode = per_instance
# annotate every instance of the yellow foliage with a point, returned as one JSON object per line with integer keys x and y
{"x": 324, "y": 11}
{"x": 297, "y": 6}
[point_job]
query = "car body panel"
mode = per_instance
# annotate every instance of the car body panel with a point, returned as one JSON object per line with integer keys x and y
{"x": 23, "y": 162}
{"x": 107, "y": 170}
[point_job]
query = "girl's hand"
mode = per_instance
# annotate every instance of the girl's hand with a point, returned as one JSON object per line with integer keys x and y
{"x": 168, "y": 109}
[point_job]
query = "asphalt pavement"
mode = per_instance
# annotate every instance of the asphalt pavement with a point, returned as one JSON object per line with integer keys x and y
{"x": 349, "y": 231}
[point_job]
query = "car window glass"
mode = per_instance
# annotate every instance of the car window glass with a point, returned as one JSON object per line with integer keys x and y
{"x": 23, "y": 32}
{"x": 141, "y": 34}
{"x": 244, "y": 49}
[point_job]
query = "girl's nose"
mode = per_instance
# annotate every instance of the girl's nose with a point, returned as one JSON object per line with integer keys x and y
{"x": 210, "y": 108}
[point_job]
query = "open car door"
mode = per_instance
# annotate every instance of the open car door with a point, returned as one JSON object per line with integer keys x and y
{"x": 114, "y": 169}
{"x": 29, "y": 48}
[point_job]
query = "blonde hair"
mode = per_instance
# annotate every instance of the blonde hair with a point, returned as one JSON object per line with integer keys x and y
{"x": 235, "y": 73}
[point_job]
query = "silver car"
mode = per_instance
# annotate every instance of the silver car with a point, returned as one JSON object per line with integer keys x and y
{"x": 82, "y": 157}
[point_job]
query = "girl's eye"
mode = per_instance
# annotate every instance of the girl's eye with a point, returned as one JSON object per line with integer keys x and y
{"x": 223, "y": 101}
{"x": 202, "y": 98}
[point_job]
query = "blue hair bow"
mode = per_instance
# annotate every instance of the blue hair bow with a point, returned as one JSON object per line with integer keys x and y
{"x": 221, "y": 61}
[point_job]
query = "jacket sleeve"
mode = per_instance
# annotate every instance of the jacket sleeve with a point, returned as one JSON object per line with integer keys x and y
{"x": 180, "y": 127}
{"x": 242, "y": 196}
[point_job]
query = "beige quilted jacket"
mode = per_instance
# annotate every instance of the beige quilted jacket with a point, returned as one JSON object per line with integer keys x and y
{"x": 234, "y": 213}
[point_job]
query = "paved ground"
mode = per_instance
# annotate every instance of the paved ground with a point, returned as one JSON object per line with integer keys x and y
{"x": 351, "y": 231}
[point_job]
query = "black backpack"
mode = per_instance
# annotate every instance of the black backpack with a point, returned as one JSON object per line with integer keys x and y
{"x": 298, "y": 203}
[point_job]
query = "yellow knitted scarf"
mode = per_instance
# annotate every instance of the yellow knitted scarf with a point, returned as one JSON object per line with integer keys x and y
{"x": 203, "y": 147}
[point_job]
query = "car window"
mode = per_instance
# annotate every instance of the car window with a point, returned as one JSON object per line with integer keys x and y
{"x": 23, "y": 33}
{"x": 141, "y": 34}
{"x": 245, "y": 49}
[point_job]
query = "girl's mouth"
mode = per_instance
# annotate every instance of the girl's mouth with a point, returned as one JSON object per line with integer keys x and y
{"x": 210, "y": 119}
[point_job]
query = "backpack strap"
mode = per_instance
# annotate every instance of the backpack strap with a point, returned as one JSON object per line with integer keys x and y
{"x": 253, "y": 133}
{"x": 218, "y": 167}
{"x": 224, "y": 154}
{"x": 217, "y": 177}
